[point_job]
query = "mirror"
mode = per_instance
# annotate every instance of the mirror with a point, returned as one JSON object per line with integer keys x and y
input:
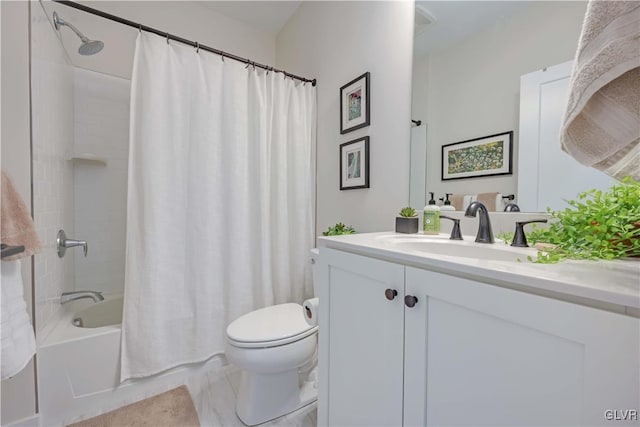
{"x": 469, "y": 57}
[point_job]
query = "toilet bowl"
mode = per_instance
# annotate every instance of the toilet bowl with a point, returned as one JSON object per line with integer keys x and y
{"x": 270, "y": 345}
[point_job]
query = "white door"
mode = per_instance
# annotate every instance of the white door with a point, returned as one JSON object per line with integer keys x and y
{"x": 361, "y": 333}
{"x": 478, "y": 354}
{"x": 547, "y": 176}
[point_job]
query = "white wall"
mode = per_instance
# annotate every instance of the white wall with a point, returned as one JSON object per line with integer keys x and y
{"x": 17, "y": 395}
{"x": 472, "y": 89}
{"x": 336, "y": 42}
{"x": 186, "y": 19}
{"x": 101, "y": 128}
{"x": 52, "y": 136}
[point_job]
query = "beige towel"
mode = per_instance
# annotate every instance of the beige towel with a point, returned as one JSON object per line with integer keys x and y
{"x": 16, "y": 225}
{"x": 602, "y": 121}
{"x": 456, "y": 201}
{"x": 488, "y": 200}
{"x": 173, "y": 408}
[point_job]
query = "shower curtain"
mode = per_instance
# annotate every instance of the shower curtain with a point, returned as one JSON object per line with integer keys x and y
{"x": 220, "y": 201}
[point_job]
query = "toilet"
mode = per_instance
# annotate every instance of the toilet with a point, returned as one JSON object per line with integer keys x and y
{"x": 270, "y": 346}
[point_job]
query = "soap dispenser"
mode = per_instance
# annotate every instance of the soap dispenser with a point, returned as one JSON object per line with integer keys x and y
{"x": 447, "y": 203}
{"x": 431, "y": 217}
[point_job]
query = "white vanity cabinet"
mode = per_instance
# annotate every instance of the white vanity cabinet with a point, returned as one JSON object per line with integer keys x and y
{"x": 363, "y": 341}
{"x": 467, "y": 353}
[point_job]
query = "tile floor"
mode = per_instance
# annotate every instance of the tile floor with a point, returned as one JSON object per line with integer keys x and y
{"x": 214, "y": 396}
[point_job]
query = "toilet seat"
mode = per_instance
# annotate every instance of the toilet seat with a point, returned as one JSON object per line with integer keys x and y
{"x": 270, "y": 327}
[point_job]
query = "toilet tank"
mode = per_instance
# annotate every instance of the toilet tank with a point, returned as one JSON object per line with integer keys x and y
{"x": 313, "y": 259}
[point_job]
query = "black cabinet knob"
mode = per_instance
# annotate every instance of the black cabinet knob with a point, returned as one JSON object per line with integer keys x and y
{"x": 410, "y": 301}
{"x": 390, "y": 294}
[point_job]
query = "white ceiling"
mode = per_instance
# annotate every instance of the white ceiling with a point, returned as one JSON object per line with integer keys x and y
{"x": 269, "y": 16}
{"x": 457, "y": 20}
{"x": 454, "y": 21}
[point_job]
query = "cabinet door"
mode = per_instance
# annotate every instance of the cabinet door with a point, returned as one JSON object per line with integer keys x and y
{"x": 361, "y": 341}
{"x": 478, "y": 354}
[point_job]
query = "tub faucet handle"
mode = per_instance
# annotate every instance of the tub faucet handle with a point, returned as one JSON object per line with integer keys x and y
{"x": 63, "y": 243}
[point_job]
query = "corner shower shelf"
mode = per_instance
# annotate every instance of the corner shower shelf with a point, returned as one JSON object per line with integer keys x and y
{"x": 89, "y": 158}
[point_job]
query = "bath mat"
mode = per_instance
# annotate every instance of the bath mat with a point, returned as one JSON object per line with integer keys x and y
{"x": 173, "y": 408}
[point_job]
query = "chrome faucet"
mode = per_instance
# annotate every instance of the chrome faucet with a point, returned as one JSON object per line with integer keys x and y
{"x": 63, "y": 244}
{"x": 485, "y": 234}
{"x": 70, "y": 296}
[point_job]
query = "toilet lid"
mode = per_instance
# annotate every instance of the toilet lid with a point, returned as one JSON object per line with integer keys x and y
{"x": 274, "y": 323}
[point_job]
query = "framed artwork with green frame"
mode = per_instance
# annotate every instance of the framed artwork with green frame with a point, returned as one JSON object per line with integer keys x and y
{"x": 486, "y": 156}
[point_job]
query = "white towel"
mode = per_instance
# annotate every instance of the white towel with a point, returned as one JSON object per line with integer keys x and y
{"x": 602, "y": 121}
{"x": 500, "y": 202}
{"x": 467, "y": 199}
{"x": 17, "y": 341}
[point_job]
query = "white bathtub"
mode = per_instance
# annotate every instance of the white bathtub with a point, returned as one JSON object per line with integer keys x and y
{"x": 79, "y": 367}
{"x": 105, "y": 313}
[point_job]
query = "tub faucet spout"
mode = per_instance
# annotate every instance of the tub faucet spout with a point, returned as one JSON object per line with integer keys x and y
{"x": 71, "y": 296}
{"x": 485, "y": 233}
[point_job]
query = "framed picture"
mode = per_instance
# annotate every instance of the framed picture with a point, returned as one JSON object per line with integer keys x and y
{"x": 354, "y": 164}
{"x": 486, "y": 156}
{"x": 354, "y": 104}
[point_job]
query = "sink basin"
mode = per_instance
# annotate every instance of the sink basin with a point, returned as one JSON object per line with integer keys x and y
{"x": 468, "y": 248}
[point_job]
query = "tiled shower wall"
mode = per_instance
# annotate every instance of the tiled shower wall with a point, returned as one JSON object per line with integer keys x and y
{"x": 101, "y": 128}
{"x": 52, "y": 133}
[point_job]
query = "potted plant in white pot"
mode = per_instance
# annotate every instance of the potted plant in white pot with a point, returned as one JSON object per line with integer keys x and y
{"x": 407, "y": 222}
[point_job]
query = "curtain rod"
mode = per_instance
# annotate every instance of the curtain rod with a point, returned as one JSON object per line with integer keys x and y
{"x": 169, "y": 36}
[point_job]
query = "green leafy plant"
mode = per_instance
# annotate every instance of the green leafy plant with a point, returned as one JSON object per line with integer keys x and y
{"x": 598, "y": 225}
{"x": 408, "y": 212}
{"x": 339, "y": 229}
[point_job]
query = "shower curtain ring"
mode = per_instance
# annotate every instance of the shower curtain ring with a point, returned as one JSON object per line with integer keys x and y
{"x": 167, "y": 38}
{"x": 197, "y": 47}
{"x": 140, "y": 28}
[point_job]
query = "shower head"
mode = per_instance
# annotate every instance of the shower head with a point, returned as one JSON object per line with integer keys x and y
{"x": 88, "y": 47}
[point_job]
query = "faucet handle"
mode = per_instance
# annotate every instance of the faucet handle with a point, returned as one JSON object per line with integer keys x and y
{"x": 63, "y": 243}
{"x": 85, "y": 246}
{"x": 519, "y": 238}
{"x": 455, "y": 231}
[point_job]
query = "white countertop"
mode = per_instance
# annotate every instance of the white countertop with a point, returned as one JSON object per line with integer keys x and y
{"x": 614, "y": 282}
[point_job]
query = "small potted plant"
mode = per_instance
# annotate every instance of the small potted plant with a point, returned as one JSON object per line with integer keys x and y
{"x": 338, "y": 230}
{"x": 407, "y": 222}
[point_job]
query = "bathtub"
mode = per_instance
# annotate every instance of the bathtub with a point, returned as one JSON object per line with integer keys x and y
{"x": 79, "y": 367}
